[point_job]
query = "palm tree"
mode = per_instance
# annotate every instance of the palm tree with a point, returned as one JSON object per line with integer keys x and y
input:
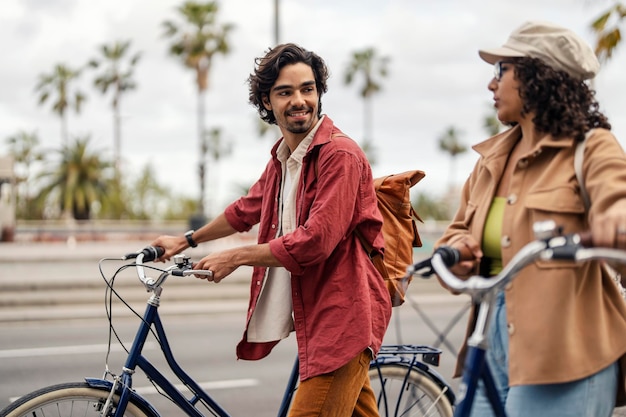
{"x": 216, "y": 148}
{"x": 147, "y": 194}
{"x": 429, "y": 207}
{"x": 78, "y": 181}
{"x": 369, "y": 65}
{"x": 276, "y": 22}
{"x": 197, "y": 40}
{"x": 608, "y": 34}
{"x": 449, "y": 142}
{"x": 59, "y": 82}
{"x": 119, "y": 78}
{"x": 24, "y": 148}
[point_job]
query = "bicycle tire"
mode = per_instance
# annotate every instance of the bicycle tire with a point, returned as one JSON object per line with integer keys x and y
{"x": 67, "y": 400}
{"x": 404, "y": 391}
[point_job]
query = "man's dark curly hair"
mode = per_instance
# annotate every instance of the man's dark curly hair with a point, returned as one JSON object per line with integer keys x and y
{"x": 268, "y": 68}
{"x": 563, "y": 106}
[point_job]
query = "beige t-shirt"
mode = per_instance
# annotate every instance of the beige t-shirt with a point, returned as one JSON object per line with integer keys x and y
{"x": 272, "y": 318}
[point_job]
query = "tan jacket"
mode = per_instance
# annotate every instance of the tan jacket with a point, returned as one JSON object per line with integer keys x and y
{"x": 565, "y": 321}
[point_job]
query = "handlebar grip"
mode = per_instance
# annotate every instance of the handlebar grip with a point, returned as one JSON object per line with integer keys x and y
{"x": 449, "y": 255}
{"x": 150, "y": 253}
{"x": 452, "y": 256}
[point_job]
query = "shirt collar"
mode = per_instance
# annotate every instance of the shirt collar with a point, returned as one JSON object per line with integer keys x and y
{"x": 283, "y": 153}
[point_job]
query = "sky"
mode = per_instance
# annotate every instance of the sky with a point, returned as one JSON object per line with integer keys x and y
{"x": 436, "y": 79}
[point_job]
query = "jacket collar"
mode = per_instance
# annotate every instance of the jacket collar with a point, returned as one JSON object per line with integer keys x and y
{"x": 503, "y": 143}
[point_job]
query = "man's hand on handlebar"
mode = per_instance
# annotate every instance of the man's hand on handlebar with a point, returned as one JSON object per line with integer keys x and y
{"x": 171, "y": 244}
{"x": 220, "y": 264}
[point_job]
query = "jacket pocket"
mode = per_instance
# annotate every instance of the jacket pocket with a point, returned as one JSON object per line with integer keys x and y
{"x": 562, "y": 205}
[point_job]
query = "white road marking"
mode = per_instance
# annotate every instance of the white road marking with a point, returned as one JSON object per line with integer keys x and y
{"x": 212, "y": 385}
{"x": 65, "y": 350}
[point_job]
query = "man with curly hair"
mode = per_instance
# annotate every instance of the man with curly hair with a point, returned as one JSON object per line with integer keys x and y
{"x": 557, "y": 339}
{"x": 311, "y": 274}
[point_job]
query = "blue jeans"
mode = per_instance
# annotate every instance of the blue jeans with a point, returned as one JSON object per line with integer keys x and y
{"x": 593, "y": 396}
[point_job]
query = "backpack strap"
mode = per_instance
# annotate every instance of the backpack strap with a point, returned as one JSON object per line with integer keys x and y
{"x": 578, "y": 167}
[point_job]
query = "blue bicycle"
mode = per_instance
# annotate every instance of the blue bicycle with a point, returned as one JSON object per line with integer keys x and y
{"x": 549, "y": 244}
{"x": 402, "y": 375}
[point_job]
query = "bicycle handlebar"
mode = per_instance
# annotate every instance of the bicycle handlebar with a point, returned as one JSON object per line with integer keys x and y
{"x": 549, "y": 245}
{"x": 182, "y": 267}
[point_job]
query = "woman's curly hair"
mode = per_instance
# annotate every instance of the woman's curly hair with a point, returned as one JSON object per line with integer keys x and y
{"x": 563, "y": 106}
{"x": 268, "y": 68}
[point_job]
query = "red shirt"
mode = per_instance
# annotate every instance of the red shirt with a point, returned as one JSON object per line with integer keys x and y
{"x": 340, "y": 302}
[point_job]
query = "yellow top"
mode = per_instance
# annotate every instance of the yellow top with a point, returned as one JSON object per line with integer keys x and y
{"x": 492, "y": 235}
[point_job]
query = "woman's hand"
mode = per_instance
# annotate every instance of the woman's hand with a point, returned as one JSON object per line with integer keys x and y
{"x": 608, "y": 229}
{"x": 469, "y": 247}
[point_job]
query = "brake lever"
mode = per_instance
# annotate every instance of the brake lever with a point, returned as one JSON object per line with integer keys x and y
{"x": 184, "y": 267}
{"x": 423, "y": 268}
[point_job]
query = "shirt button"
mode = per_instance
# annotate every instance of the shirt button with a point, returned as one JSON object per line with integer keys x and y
{"x": 505, "y": 242}
{"x": 512, "y": 199}
{"x": 273, "y": 226}
{"x": 511, "y": 328}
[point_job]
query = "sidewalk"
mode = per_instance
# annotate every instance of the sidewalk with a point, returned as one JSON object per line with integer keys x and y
{"x": 57, "y": 281}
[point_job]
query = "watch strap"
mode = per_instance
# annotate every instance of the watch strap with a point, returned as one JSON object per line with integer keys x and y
{"x": 190, "y": 240}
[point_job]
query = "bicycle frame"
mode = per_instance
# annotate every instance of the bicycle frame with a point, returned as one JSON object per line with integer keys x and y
{"x": 122, "y": 385}
{"x": 476, "y": 367}
{"x": 549, "y": 244}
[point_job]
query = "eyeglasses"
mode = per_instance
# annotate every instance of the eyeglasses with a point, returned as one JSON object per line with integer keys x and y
{"x": 499, "y": 69}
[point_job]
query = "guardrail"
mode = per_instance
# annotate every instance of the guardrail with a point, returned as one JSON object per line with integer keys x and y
{"x": 95, "y": 230}
{"x": 111, "y": 230}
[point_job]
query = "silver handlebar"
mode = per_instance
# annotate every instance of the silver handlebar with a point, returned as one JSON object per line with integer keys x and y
{"x": 182, "y": 267}
{"x": 548, "y": 246}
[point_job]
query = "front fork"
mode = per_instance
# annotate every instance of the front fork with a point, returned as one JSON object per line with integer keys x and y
{"x": 476, "y": 367}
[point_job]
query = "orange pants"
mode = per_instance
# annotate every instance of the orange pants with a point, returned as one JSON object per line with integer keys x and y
{"x": 343, "y": 393}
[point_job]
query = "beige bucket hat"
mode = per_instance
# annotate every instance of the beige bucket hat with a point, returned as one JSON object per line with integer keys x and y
{"x": 556, "y": 46}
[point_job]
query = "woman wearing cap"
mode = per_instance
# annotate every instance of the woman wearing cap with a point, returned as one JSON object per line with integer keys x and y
{"x": 558, "y": 341}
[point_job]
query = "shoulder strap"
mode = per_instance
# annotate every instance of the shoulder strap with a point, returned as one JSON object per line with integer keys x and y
{"x": 578, "y": 167}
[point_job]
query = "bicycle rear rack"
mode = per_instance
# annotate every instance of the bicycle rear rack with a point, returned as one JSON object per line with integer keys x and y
{"x": 430, "y": 355}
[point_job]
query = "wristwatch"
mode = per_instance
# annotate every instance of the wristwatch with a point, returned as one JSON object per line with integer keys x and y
{"x": 188, "y": 236}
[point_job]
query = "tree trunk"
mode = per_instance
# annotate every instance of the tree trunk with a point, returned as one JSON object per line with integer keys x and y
{"x": 64, "y": 139}
{"x": 117, "y": 138}
{"x": 202, "y": 153}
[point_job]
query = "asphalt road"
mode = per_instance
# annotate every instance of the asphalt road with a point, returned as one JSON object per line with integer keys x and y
{"x": 53, "y": 325}
{"x": 37, "y": 354}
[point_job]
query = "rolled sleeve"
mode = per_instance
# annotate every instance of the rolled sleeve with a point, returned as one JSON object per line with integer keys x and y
{"x": 277, "y": 247}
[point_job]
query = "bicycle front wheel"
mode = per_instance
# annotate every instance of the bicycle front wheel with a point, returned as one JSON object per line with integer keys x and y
{"x": 67, "y": 400}
{"x": 404, "y": 391}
